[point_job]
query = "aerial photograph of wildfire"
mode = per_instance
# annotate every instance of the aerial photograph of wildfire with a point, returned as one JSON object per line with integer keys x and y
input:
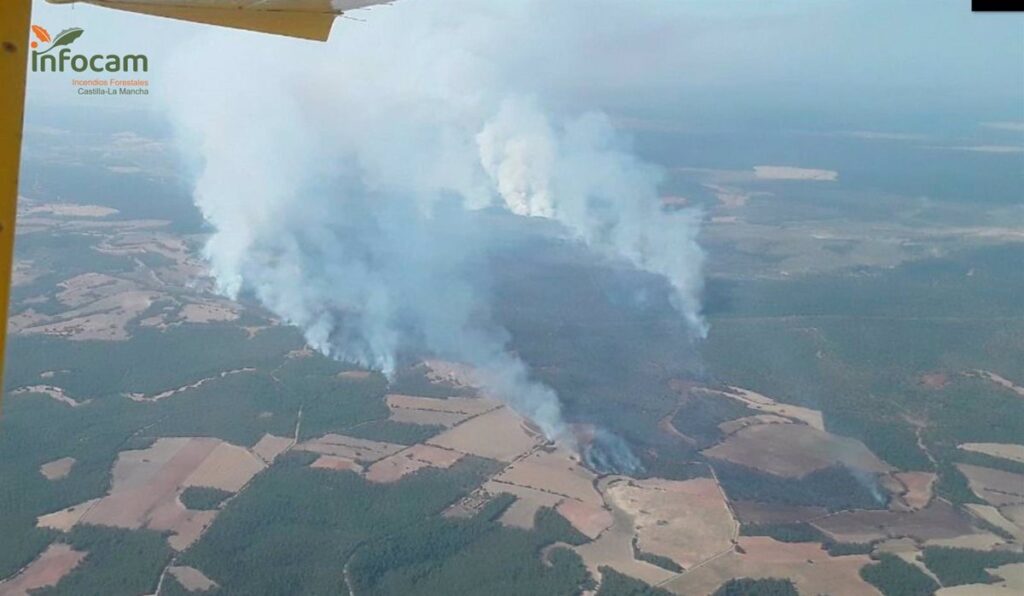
{"x": 565, "y": 297}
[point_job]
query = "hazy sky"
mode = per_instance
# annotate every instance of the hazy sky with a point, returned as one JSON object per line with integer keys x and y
{"x": 858, "y": 55}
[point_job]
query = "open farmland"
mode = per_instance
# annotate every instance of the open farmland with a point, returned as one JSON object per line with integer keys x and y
{"x": 147, "y": 484}
{"x": 810, "y": 567}
{"x": 53, "y": 564}
{"x": 794, "y": 450}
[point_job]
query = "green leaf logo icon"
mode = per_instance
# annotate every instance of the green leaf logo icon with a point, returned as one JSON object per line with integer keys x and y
{"x": 65, "y": 38}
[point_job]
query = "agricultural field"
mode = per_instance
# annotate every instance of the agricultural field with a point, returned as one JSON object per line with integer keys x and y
{"x": 852, "y": 422}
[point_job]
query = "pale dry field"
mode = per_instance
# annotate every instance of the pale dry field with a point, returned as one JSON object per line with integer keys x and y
{"x": 1008, "y": 451}
{"x": 468, "y": 406}
{"x": 191, "y": 578}
{"x": 1012, "y": 583}
{"x": 54, "y": 563}
{"x": 55, "y": 393}
{"x": 791, "y": 173}
{"x": 686, "y": 521}
{"x": 331, "y": 462}
{"x": 87, "y": 288}
{"x": 69, "y": 210}
{"x": 590, "y": 519}
{"x": 142, "y": 397}
{"x": 753, "y": 512}
{"x": 556, "y": 471}
{"x": 270, "y": 446}
{"x": 998, "y": 380}
{"x": 614, "y": 548}
{"x": 528, "y": 502}
{"x": 730, "y": 426}
{"x": 453, "y": 373}
{"x": 360, "y": 450}
{"x": 147, "y": 484}
{"x": 939, "y": 520}
{"x": 449, "y": 412}
{"x": 994, "y": 486}
{"x": 403, "y": 463}
{"x": 425, "y": 417}
{"x": 918, "y": 488}
{"x": 810, "y": 567}
{"x": 65, "y": 519}
{"x": 354, "y": 375}
{"x": 228, "y": 467}
{"x": 794, "y": 450}
{"x": 1014, "y": 513}
{"x": 105, "y": 319}
{"x": 763, "y": 403}
{"x": 209, "y": 312}
{"x": 58, "y": 468}
{"x": 499, "y": 434}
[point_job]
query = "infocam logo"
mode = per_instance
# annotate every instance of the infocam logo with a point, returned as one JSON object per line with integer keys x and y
{"x": 60, "y": 58}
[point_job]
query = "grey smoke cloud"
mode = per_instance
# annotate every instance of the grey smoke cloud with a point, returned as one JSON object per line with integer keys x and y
{"x": 347, "y": 184}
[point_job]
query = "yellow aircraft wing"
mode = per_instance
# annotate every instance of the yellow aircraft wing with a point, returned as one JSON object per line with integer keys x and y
{"x": 307, "y": 19}
{"x": 14, "y": 23}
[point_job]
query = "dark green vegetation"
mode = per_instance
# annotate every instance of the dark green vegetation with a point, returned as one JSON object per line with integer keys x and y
{"x": 200, "y": 498}
{"x": 614, "y": 583}
{"x": 895, "y": 577}
{"x": 838, "y": 549}
{"x": 238, "y": 408}
{"x": 795, "y": 532}
{"x": 757, "y": 587}
{"x": 834, "y": 488}
{"x": 119, "y": 562}
{"x": 296, "y": 529}
{"x": 957, "y": 566}
{"x": 855, "y": 346}
{"x": 699, "y": 416}
{"x": 657, "y": 560}
{"x": 471, "y": 556}
{"x": 395, "y": 432}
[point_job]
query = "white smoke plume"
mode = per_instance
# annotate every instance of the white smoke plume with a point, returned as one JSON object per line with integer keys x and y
{"x": 346, "y": 183}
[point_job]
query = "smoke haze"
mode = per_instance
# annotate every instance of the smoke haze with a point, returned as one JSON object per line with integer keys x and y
{"x": 348, "y": 184}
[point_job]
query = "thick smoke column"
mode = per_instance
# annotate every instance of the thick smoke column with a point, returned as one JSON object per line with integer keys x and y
{"x": 346, "y": 184}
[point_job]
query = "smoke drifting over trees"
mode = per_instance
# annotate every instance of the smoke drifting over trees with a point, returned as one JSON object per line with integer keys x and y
{"x": 347, "y": 184}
